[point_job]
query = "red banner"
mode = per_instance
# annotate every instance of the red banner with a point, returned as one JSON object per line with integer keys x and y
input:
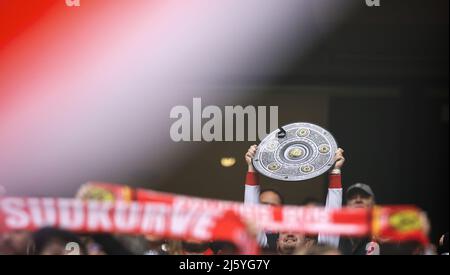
{"x": 109, "y": 208}
{"x": 125, "y": 218}
{"x": 397, "y": 223}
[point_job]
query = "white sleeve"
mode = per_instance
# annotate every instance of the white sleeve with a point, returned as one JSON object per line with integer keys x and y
{"x": 252, "y": 196}
{"x": 334, "y": 200}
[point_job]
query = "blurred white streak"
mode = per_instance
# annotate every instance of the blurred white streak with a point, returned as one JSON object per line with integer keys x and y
{"x": 107, "y": 115}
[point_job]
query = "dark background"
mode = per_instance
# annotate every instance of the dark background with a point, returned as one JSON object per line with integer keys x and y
{"x": 379, "y": 83}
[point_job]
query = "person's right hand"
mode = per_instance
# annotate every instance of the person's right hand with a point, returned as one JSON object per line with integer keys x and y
{"x": 249, "y": 157}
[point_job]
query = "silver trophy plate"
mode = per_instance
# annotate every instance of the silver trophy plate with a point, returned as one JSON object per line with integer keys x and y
{"x": 295, "y": 152}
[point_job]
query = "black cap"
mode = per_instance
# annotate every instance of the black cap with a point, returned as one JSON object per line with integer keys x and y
{"x": 360, "y": 187}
